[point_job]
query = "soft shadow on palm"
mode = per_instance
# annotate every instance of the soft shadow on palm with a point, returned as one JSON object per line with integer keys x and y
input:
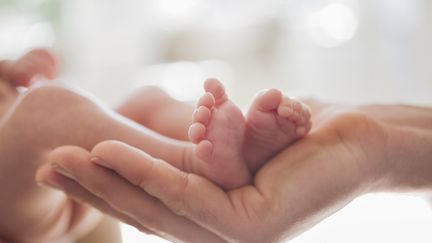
{"x": 308, "y": 181}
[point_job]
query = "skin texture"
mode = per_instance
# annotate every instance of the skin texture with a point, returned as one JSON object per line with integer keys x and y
{"x": 34, "y": 122}
{"x": 224, "y": 137}
{"x": 38, "y": 63}
{"x": 46, "y": 116}
{"x": 84, "y": 124}
{"x": 152, "y": 107}
{"x": 350, "y": 151}
{"x": 231, "y": 146}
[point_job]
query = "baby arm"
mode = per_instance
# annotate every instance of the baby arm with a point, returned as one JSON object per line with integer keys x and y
{"x": 21, "y": 72}
{"x": 38, "y": 62}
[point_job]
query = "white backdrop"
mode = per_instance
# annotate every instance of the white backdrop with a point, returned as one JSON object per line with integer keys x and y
{"x": 345, "y": 50}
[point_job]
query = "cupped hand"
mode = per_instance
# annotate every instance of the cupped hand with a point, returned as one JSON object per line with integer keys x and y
{"x": 295, "y": 190}
{"x": 42, "y": 118}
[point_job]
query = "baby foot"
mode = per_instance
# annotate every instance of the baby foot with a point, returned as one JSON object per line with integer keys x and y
{"x": 218, "y": 130}
{"x": 273, "y": 122}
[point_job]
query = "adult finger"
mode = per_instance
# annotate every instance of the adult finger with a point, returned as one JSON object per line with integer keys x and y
{"x": 128, "y": 199}
{"x": 185, "y": 194}
{"x": 47, "y": 176}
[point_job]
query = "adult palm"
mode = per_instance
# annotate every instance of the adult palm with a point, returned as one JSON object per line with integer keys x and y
{"x": 293, "y": 191}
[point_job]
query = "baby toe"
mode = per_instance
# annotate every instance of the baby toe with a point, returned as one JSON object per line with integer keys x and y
{"x": 207, "y": 100}
{"x": 202, "y": 115}
{"x": 196, "y": 132}
{"x": 302, "y": 130}
{"x": 204, "y": 150}
{"x": 267, "y": 100}
{"x": 216, "y": 88}
{"x": 293, "y": 109}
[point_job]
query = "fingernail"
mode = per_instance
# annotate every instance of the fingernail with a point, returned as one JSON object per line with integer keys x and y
{"x": 62, "y": 171}
{"x": 49, "y": 184}
{"x": 101, "y": 162}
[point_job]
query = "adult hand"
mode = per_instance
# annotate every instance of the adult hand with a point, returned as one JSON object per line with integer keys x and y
{"x": 36, "y": 123}
{"x": 31, "y": 124}
{"x": 350, "y": 151}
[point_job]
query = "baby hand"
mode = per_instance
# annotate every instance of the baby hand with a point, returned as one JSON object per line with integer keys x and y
{"x": 38, "y": 62}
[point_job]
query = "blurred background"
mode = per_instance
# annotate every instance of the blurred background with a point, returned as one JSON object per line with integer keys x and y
{"x": 341, "y": 50}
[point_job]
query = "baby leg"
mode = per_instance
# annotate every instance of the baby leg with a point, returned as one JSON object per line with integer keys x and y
{"x": 152, "y": 107}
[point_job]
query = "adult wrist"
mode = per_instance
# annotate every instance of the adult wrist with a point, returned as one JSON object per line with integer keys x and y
{"x": 405, "y": 146}
{"x": 396, "y": 144}
{"x": 365, "y": 138}
{"x": 409, "y": 159}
